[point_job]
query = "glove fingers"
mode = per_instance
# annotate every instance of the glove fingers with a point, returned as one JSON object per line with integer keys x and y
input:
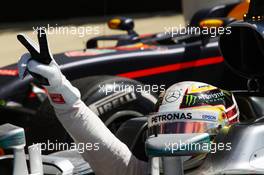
{"x": 41, "y": 69}
{"x": 22, "y": 65}
{"x": 31, "y": 46}
{"x": 43, "y": 44}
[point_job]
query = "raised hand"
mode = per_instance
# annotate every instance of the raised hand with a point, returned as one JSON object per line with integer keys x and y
{"x": 41, "y": 65}
{"x": 39, "y": 55}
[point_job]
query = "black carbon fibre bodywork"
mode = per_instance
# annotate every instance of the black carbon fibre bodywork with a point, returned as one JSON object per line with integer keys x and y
{"x": 120, "y": 62}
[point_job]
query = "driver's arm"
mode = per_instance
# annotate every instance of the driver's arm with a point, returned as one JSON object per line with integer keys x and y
{"x": 113, "y": 157}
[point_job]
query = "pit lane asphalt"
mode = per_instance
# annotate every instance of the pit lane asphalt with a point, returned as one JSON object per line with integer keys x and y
{"x": 11, "y": 50}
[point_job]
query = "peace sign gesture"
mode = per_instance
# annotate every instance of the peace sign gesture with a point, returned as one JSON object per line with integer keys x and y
{"x": 39, "y": 53}
{"x": 39, "y": 61}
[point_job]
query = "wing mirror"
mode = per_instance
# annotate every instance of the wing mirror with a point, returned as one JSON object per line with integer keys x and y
{"x": 243, "y": 48}
{"x": 125, "y": 24}
{"x": 215, "y": 22}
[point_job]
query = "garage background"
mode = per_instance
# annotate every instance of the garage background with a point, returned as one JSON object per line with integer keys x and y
{"x": 52, "y": 9}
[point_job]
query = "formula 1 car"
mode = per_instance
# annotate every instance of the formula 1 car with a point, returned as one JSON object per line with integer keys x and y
{"x": 153, "y": 60}
{"x": 243, "y": 53}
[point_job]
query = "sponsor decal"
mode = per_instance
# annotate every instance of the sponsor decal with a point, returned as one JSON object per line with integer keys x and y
{"x": 9, "y": 72}
{"x": 212, "y": 97}
{"x": 112, "y": 101}
{"x": 88, "y": 52}
{"x": 190, "y": 100}
{"x": 170, "y": 117}
{"x": 183, "y": 116}
{"x": 209, "y": 117}
{"x": 57, "y": 98}
{"x": 173, "y": 96}
{"x": 201, "y": 88}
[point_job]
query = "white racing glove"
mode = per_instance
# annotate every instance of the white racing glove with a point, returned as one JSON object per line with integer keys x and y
{"x": 113, "y": 157}
{"x": 41, "y": 65}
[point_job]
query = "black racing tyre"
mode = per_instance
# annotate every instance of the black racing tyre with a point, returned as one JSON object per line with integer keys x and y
{"x": 113, "y": 108}
{"x": 116, "y": 107}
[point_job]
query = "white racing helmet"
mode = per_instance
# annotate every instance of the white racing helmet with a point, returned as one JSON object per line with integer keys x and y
{"x": 194, "y": 107}
{"x": 189, "y": 112}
